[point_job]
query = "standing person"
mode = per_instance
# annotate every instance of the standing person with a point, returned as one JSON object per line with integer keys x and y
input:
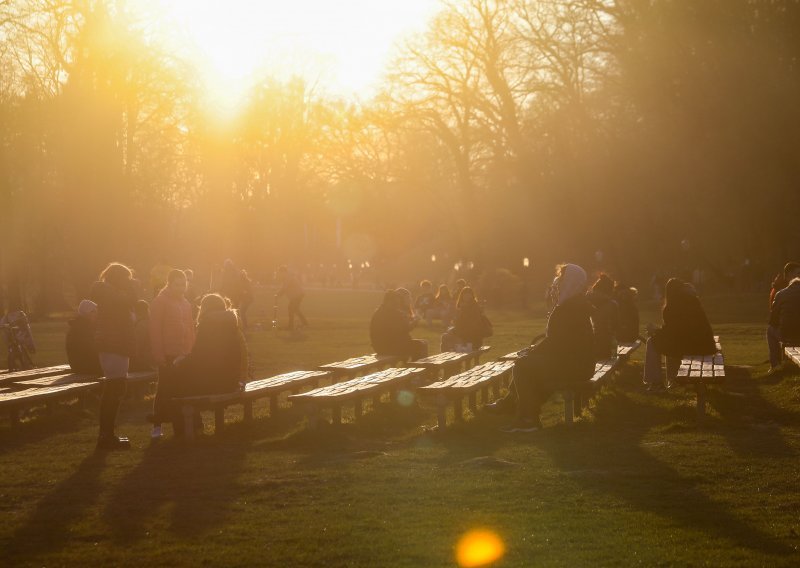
{"x": 172, "y": 335}
{"x": 424, "y": 302}
{"x": 19, "y": 339}
{"x": 563, "y": 359}
{"x": 115, "y": 338}
{"x": 231, "y": 283}
{"x": 784, "y": 316}
{"x": 81, "y": 349}
{"x": 246, "y": 297}
{"x": 685, "y": 331}
{"x": 142, "y": 360}
{"x": 390, "y": 330}
{"x": 158, "y": 276}
{"x": 471, "y": 326}
{"x": 293, "y": 290}
{"x": 605, "y": 317}
{"x": 628, "y": 328}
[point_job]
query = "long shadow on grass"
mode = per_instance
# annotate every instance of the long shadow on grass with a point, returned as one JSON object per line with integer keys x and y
{"x": 48, "y": 527}
{"x": 750, "y": 423}
{"x": 197, "y": 481}
{"x": 607, "y": 456}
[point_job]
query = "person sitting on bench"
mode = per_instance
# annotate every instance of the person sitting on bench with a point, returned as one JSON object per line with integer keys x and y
{"x": 685, "y": 331}
{"x": 784, "y": 316}
{"x": 81, "y": 351}
{"x": 471, "y": 326}
{"x": 390, "y": 330}
{"x": 564, "y": 359}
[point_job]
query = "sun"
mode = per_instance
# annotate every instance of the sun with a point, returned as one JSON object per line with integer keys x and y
{"x": 342, "y": 46}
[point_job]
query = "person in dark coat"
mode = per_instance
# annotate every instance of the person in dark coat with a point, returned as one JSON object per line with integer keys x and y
{"x": 784, "y": 314}
{"x": 605, "y": 317}
{"x": 81, "y": 351}
{"x": 685, "y": 331}
{"x": 115, "y": 338}
{"x": 390, "y": 330}
{"x": 471, "y": 326}
{"x": 563, "y": 359}
{"x": 628, "y": 327}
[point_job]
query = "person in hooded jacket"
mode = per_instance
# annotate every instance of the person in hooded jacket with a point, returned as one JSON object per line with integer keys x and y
{"x": 605, "y": 317}
{"x": 115, "y": 339}
{"x": 564, "y": 359}
{"x": 685, "y": 331}
{"x": 390, "y": 329}
{"x": 81, "y": 351}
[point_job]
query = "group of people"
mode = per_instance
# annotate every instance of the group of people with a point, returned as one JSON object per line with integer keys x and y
{"x": 583, "y": 328}
{"x": 784, "y": 314}
{"x": 115, "y": 333}
{"x": 391, "y": 324}
{"x": 442, "y": 305}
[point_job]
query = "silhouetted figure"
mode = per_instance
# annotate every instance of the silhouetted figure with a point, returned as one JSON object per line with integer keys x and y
{"x": 628, "y": 328}
{"x": 293, "y": 290}
{"x": 784, "y": 315}
{"x": 685, "y": 331}
{"x": 115, "y": 338}
{"x": 158, "y": 276}
{"x": 19, "y": 339}
{"x": 246, "y": 296}
{"x": 142, "y": 360}
{"x": 425, "y": 300}
{"x": 471, "y": 326}
{"x": 390, "y": 330}
{"x": 444, "y": 307}
{"x": 81, "y": 350}
{"x": 605, "y": 317}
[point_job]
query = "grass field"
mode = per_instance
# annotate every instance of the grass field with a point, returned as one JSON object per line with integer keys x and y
{"x": 637, "y": 481}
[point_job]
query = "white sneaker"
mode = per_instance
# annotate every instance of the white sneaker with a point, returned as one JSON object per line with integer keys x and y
{"x": 156, "y": 434}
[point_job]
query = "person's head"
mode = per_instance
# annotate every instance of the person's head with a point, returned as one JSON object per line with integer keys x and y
{"x": 141, "y": 309}
{"x": 570, "y": 281}
{"x": 210, "y": 304}
{"x": 791, "y": 270}
{"x": 405, "y": 296}
{"x": 116, "y": 274}
{"x": 228, "y": 264}
{"x": 425, "y": 286}
{"x": 674, "y": 290}
{"x": 443, "y": 293}
{"x": 87, "y": 309}
{"x": 603, "y": 285}
{"x": 391, "y": 299}
{"x": 466, "y": 297}
{"x": 176, "y": 282}
{"x": 189, "y": 274}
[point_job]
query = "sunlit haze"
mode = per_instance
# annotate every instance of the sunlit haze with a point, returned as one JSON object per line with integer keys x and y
{"x": 341, "y": 46}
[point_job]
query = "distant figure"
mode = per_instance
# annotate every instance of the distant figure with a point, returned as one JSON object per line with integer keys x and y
{"x": 457, "y": 287}
{"x": 192, "y": 292}
{"x": 471, "y": 325}
{"x": 172, "y": 335}
{"x": 390, "y": 330}
{"x": 293, "y": 290}
{"x": 19, "y": 339}
{"x": 563, "y": 359}
{"x": 142, "y": 360}
{"x": 81, "y": 351}
{"x": 605, "y": 317}
{"x": 425, "y": 300}
{"x": 217, "y": 364}
{"x": 158, "y": 276}
{"x": 115, "y": 337}
{"x": 407, "y": 307}
{"x": 444, "y": 307}
{"x": 231, "y": 283}
{"x": 246, "y": 296}
{"x": 628, "y": 328}
{"x": 685, "y": 331}
{"x": 784, "y": 315}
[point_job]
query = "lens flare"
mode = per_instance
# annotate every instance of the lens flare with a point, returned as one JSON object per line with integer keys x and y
{"x": 479, "y": 548}
{"x": 405, "y": 398}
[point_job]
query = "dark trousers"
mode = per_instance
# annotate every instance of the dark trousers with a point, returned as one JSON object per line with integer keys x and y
{"x": 294, "y": 310}
{"x": 113, "y": 391}
{"x": 165, "y": 392}
{"x": 418, "y": 349}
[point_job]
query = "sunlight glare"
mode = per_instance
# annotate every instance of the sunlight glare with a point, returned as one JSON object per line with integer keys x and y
{"x": 479, "y": 548}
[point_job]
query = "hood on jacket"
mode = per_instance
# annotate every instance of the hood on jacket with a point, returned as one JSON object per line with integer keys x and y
{"x": 571, "y": 282}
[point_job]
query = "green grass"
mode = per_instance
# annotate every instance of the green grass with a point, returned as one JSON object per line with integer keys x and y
{"x": 637, "y": 481}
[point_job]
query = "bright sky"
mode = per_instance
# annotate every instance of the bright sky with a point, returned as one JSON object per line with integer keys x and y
{"x": 343, "y": 45}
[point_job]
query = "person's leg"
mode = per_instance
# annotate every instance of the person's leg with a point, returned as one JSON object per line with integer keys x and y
{"x": 300, "y": 314}
{"x": 774, "y": 345}
{"x": 673, "y": 365}
{"x": 115, "y": 369}
{"x": 293, "y": 306}
{"x": 653, "y": 375}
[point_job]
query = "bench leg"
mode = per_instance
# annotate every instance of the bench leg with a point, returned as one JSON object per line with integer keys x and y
{"x": 219, "y": 419}
{"x": 248, "y": 410}
{"x": 336, "y": 415}
{"x": 441, "y": 413}
{"x": 473, "y": 401}
{"x": 568, "y": 407}
{"x": 701, "y": 399}
{"x": 273, "y": 405}
{"x": 485, "y": 395}
{"x": 312, "y": 412}
{"x": 458, "y": 410}
{"x": 188, "y": 421}
{"x": 358, "y": 409}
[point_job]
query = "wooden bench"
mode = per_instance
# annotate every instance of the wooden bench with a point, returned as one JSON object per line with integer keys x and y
{"x": 700, "y": 371}
{"x": 15, "y": 376}
{"x": 355, "y": 366}
{"x": 56, "y": 380}
{"x": 485, "y": 378}
{"x": 356, "y": 390}
{"x": 13, "y": 401}
{"x": 624, "y": 351}
{"x": 793, "y": 354}
{"x": 271, "y": 387}
{"x": 576, "y": 400}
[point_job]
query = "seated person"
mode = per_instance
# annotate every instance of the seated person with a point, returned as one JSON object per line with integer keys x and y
{"x": 142, "y": 359}
{"x": 628, "y": 327}
{"x": 425, "y": 300}
{"x": 471, "y": 325}
{"x": 563, "y": 359}
{"x": 81, "y": 351}
{"x": 407, "y": 308}
{"x": 443, "y": 307}
{"x": 390, "y": 330}
{"x": 784, "y": 314}
{"x": 685, "y": 331}
{"x": 605, "y": 318}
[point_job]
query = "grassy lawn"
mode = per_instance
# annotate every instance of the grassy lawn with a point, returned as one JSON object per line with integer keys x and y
{"x": 637, "y": 481}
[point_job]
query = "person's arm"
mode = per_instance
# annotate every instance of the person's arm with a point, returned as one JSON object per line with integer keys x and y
{"x": 775, "y": 310}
